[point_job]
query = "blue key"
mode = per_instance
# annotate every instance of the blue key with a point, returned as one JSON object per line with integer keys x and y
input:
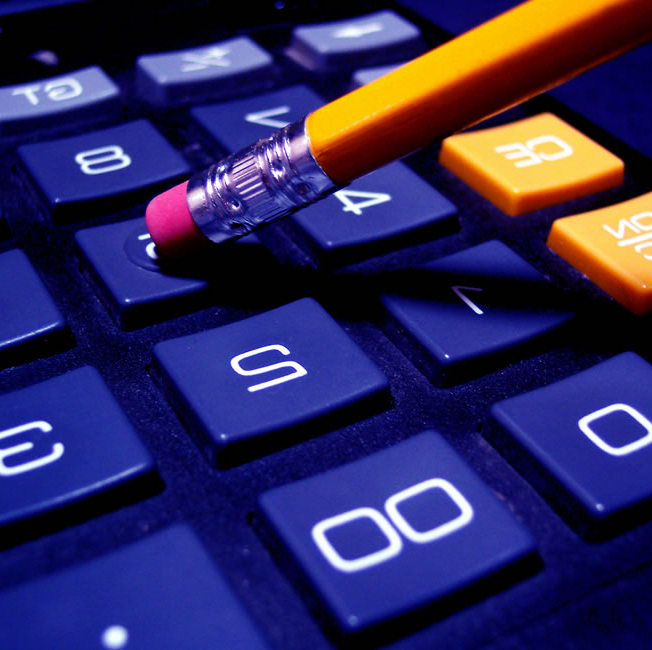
{"x": 106, "y": 167}
{"x": 36, "y": 104}
{"x": 239, "y": 123}
{"x": 161, "y": 592}
{"x": 380, "y": 37}
{"x": 207, "y": 71}
{"x": 138, "y": 288}
{"x": 590, "y": 439}
{"x": 62, "y": 441}
{"x": 267, "y": 375}
{"x": 31, "y": 323}
{"x": 466, "y": 312}
{"x": 135, "y": 284}
{"x": 381, "y": 210}
{"x": 397, "y": 530}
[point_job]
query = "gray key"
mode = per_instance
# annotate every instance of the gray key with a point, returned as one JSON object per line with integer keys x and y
{"x": 367, "y": 75}
{"x": 173, "y": 77}
{"x": 55, "y": 99}
{"x": 376, "y": 38}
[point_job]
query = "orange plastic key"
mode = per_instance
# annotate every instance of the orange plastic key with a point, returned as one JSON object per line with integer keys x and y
{"x": 530, "y": 164}
{"x": 613, "y": 248}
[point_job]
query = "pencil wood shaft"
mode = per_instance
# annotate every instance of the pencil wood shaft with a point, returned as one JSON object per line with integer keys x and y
{"x": 513, "y": 57}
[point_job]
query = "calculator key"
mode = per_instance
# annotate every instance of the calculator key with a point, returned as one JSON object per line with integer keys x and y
{"x": 397, "y": 530}
{"x": 197, "y": 73}
{"x": 464, "y": 313}
{"x": 139, "y": 288}
{"x": 106, "y": 167}
{"x": 611, "y": 246}
{"x": 38, "y": 103}
{"x": 590, "y": 437}
{"x": 31, "y": 323}
{"x": 266, "y": 375}
{"x": 238, "y": 123}
{"x": 382, "y": 209}
{"x": 162, "y": 591}
{"x": 375, "y": 38}
{"x": 62, "y": 441}
{"x": 531, "y": 164}
{"x": 367, "y": 75}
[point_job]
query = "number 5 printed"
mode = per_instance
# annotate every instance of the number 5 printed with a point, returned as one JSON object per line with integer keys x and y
{"x": 296, "y": 369}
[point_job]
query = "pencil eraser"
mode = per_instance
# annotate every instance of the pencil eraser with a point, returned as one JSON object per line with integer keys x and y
{"x": 171, "y": 225}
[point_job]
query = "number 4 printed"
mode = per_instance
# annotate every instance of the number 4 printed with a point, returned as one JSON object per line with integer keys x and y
{"x": 369, "y": 199}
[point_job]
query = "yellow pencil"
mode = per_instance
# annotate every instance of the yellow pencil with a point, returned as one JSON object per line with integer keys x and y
{"x": 517, "y": 55}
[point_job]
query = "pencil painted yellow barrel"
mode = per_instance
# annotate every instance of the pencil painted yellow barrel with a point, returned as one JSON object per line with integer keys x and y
{"x": 517, "y": 55}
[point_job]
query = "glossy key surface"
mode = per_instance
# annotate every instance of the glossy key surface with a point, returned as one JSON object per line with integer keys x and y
{"x": 238, "y": 123}
{"x": 107, "y": 165}
{"x": 367, "y": 75}
{"x": 140, "y": 288}
{"x": 57, "y": 99}
{"x": 467, "y": 309}
{"x": 64, "y": 440}
{"x": 379, "y": 210}
{"x": 163, "y": 591}
{"x": 201, "y": 72}
{"x": 266, "y": 374}
{"x": 378, "y": 37}
{"x": 612, "y": 247}
{"x": 590, "y": 437}
{"x": 30, "y": 318}
{"x": 530, "y": 164}
{"x": 395, "y": 530}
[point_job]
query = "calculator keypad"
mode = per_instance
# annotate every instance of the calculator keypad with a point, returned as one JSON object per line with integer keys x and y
{"x": 396, "y": 418}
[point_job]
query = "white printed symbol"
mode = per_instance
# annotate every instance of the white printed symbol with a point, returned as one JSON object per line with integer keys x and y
{"x": 391, "y": 526}
{"x": 424, "y": 537}
{"x": 457, "y": 289}
{"x": 263, "y": 117}
{"x": 639, "y": 223}
{"x": 115, "y": 637}
{"x": 150, "y": 249}
{"x": 394, "y": 543}
{"x": 585, "y": 426}
{"x": 369, "y": 199}
{"x": 297, "y": 370}
{"x": 38, "y": 425}
{"x": 358, "y": 30}
{"x": 213, "y": 56}
{"x": 102, "y": 160}
{"x": 535, "y": 150}
{"x": 57, "y": 91}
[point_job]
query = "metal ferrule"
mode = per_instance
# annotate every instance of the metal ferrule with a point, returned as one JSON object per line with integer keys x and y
{"x": 268, "y": 180}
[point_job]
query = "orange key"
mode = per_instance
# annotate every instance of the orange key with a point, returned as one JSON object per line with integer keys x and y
{"x": 613, "y": 248}
{"x": 530, "y": 164}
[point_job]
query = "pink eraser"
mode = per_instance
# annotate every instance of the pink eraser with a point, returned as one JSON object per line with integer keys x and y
{"x": 171, "y": 225}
